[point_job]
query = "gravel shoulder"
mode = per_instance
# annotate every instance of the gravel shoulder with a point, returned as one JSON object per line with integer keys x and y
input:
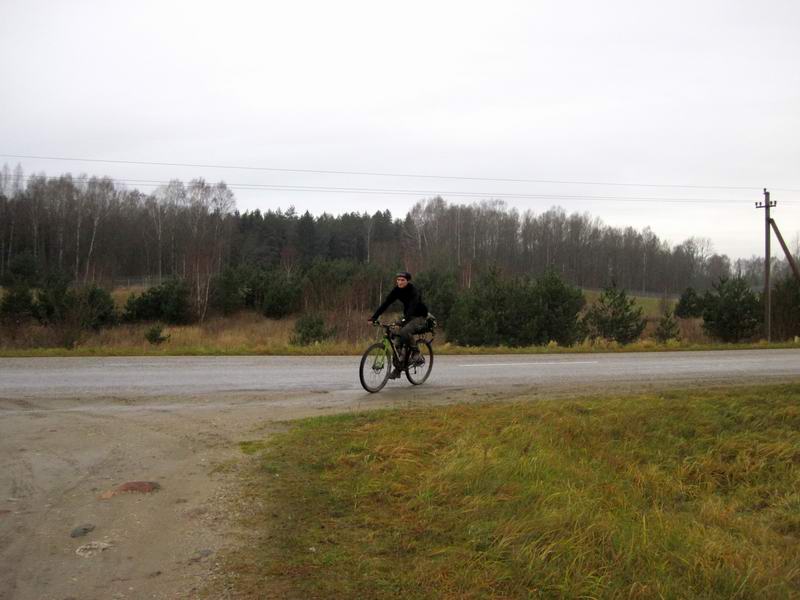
{"x": 59, "y": 456}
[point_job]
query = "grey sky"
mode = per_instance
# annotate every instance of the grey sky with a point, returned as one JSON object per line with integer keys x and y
{"x": 691, "y": 93}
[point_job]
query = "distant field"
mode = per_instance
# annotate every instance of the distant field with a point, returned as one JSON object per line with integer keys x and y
{"x": 685, "y": 494}
{"x": 121, "y": 294}
{"x": 652, "y": 306}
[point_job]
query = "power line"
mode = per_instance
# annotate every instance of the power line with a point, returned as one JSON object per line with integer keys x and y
{"x": 383, "y": 174}
{"x": 430, "y": 192}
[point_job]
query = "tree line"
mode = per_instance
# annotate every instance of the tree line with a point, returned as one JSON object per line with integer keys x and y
{"x": 92, "y": 229}
{"x": 97, "y": 230}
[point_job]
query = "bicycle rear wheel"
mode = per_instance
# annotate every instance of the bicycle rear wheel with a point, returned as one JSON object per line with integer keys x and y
{"x": 375, "y": 367}
{"x": 417, "y": 373}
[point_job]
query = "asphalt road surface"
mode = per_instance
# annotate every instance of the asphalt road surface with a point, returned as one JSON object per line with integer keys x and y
{"x": 176, "y": 376}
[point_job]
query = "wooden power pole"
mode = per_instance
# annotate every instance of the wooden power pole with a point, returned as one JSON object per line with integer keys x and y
{"x": 766, "y": 205}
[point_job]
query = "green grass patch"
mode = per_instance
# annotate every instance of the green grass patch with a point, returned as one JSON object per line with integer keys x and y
{"x": 686, "y": 494}
{"x": 252, "y": 446}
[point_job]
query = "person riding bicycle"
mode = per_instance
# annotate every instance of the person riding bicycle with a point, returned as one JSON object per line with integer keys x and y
{"x": 414, "y": 315}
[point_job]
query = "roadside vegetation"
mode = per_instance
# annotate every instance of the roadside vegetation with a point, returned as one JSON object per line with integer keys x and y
{"x": 673, "y": 495}
{"x": 501, "y": 315}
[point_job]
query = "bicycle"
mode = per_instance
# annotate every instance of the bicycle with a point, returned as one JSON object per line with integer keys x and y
{"x": 379, "y": 359}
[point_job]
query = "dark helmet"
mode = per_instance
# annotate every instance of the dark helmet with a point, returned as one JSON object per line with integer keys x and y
{"x": 403, "y": 274}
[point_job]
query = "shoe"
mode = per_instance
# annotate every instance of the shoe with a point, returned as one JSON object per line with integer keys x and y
{"x": 416, "y": 359}
{"x": 394, "y": 374}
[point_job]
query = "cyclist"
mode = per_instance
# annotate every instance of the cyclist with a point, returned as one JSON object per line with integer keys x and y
{"x": 414, "y": 314}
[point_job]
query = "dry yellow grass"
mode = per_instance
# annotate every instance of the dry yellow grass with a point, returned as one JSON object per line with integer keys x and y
{"x": 245, "y": 330}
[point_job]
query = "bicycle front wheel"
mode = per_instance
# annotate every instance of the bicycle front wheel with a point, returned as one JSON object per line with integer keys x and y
{"x": 375, "y": 367}
{"x": 418, "y": 371}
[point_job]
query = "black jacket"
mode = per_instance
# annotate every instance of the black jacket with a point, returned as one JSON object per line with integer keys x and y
{"x": 411, "y": 297}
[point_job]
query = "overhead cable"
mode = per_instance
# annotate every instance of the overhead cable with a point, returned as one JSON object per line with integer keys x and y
{"x": 385, "y": 174}
{"x": 433, "y": 192}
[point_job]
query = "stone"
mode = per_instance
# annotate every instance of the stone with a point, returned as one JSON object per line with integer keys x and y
{"x": 81, "y": 530}
{"x": 92, "y": 548}
{"x": 200, "y": 555}
{"x": 140, "y": 487}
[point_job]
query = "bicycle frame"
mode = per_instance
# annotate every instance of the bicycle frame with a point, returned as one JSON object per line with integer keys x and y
{"x": 389, "y": 345}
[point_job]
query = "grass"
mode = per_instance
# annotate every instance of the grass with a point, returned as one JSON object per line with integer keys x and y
{"x": 131, "y": 343}
{"x": 687, "y": 494}
{"x": 249, "y": 334}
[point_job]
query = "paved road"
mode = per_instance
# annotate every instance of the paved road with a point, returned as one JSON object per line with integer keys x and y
{"x": 176, "y": 376}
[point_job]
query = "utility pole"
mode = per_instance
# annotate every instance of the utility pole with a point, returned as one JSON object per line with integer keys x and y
{"x": 766, "y": 205}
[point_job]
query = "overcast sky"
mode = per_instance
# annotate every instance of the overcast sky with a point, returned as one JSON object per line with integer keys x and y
{"x": 672, "y": 93}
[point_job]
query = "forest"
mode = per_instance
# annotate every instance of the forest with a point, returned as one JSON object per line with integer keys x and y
{"x": 96, "y": 230}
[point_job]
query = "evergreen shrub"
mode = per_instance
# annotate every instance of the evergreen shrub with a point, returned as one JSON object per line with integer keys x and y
{"x": 309, "y": 329}
{"x": 615, "y": 317}
{"x": 168, "y": 302}
{"x": 81, "y": 308}
{"x": 18, "y": 305}
{"x": 732, "y": 311}
{"x": 281, "y": 296}
{"x": 516, "y": 312}
{"x": 690, "y": 305}
{"x": 667, "y": 328}
{"x": 229, "y": 290}
{"x": 439, "y": 292}
{"x": 95, "y": 307}
{"x": 155, "y": 334}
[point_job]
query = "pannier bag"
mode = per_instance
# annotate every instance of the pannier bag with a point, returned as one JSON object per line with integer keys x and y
{"x": 430, "y": 323}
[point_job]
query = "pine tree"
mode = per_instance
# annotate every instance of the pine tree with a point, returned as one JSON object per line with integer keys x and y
{"x": 690, "y": 305}
{"x": 559, "y": 305}
{"x": 667, "y": 328}
{"x": 732, "y": 311}
{"x": 615, "y": 317}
